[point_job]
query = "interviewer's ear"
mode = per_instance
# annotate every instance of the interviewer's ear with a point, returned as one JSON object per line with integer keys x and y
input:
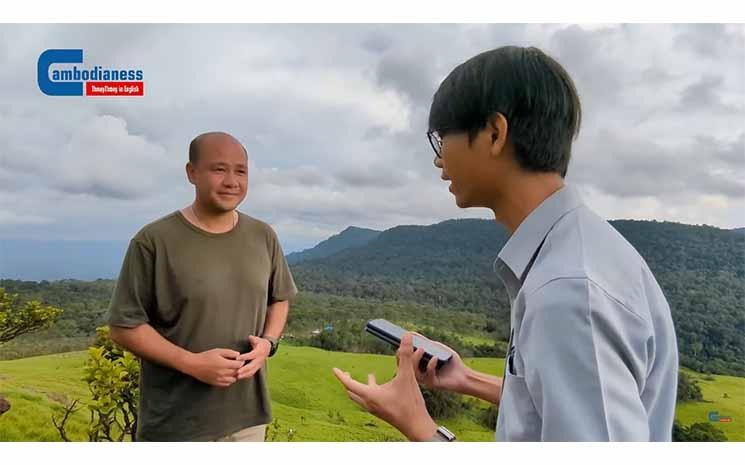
{"x": 497, "y": 128}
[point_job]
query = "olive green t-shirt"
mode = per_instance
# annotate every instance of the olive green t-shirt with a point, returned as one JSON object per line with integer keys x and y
{"x": 200, "y": 291}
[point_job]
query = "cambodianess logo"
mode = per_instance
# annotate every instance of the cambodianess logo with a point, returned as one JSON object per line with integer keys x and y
{"x": 57, "y": 78}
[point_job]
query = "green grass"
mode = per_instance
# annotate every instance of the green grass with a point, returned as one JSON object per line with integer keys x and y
{"x": 713, "y": 390}
{"x": 36, "y": 388}
{"x": 306, "y": 397}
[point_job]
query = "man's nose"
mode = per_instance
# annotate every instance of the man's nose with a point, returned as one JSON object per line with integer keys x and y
{"x": 437, "y": 161}
{"x": 230, "y": 179}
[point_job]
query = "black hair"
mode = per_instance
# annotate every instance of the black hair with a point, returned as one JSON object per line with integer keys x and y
{"x": 533, "y": 92}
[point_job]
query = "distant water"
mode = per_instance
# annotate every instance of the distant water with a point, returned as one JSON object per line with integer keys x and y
{"x": 38, "y": 260}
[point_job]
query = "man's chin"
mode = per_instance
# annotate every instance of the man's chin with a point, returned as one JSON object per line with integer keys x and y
{"x": 224, "y": 207}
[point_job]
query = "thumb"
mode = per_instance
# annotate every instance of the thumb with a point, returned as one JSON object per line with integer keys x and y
{"x": 253, "y": 340}
{"x": 406, "y": 354}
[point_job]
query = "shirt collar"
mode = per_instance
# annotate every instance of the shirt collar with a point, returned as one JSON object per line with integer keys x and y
{"x": 521, "y": 246}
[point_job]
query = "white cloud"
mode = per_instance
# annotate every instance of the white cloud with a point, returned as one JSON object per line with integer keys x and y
{"x": 333, "y": 117}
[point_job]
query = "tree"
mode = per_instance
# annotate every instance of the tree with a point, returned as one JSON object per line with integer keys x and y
{"x": 688, "y": 389}
{"x": 17, "y": 318}
{"x": 698, "y": 432}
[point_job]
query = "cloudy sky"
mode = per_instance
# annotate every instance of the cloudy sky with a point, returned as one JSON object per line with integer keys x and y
{"x": 334, "y": 116}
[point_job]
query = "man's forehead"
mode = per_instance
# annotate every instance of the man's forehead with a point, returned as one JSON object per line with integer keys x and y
{"x": 221, "y": 147}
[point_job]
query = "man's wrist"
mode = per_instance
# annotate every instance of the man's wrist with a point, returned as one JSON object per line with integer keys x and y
{"x": 466, "y": 385}
{"x": 273, "y": 344}
{"x": 183, "y": 362}
{"x": 422, "y": 431}
{"x": 482, "y": 386}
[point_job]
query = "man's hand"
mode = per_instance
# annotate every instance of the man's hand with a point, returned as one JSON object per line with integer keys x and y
{"x": 450, "y": 377}
{"x": 258, "y": 355}
{"x": 399, "y": 401}
{"x": 216, "y": 367}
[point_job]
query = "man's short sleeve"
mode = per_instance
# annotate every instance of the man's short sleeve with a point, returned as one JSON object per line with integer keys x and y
{"x": 281, "y": 285}
{"x": 585, "y": 358}
{"x": 133, "y": 294}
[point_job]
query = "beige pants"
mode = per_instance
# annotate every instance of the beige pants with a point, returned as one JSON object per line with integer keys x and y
{"x": 251, "y": 434}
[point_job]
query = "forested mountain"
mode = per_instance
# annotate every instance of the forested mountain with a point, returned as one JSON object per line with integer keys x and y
{"x": 420, "y": 272}
{"x": 700, "y": 269}
{"x": 350, "y": 237}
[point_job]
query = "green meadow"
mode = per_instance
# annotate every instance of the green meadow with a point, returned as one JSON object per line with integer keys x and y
{"x": 723, "y": 394}
{"x": 308, "y": 403}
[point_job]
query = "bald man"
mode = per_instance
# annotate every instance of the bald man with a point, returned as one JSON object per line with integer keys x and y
{"x": 202, "y": 299}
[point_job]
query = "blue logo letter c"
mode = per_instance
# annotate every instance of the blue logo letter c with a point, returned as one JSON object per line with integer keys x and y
{"x": 50, "y": 57}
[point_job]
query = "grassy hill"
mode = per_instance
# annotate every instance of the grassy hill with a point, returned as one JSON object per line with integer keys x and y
{"x": 306, "y": 398}
{"x": 714, "y": 388}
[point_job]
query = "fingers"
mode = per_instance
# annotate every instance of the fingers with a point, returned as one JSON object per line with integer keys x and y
{"x": 227, "y": 353}
{"x": 250, "y": 369}
{"x": 406, "y": 354}
{"x": 248, "y": 356}
{"x": 437, "y": 343}
{"x": 353, "y": 386}
{"x": 228, "y": 372}
{"x": 417, "y": 359}
{"x": 357, "y": 400}
{"x": 248, "y": 374}
{"x": 430, "y": 376}
{"x": 405, "y": 348}
{"x": 225, "y": 381}
{"x": 234, "y": 364}
{"x": 356, "y": 391}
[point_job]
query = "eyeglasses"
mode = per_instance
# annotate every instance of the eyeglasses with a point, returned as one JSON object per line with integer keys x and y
{"x": 435, "y": 140}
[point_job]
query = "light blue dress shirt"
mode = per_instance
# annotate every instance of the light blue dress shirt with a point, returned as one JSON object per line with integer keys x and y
{"x": 592, "y": 353}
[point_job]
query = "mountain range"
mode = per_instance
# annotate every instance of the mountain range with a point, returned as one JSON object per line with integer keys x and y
{"x": 450, "y": 265}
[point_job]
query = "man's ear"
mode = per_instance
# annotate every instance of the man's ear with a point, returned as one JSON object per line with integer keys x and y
{"x": 497, "y": 128}
{"x": 190, "y": 172}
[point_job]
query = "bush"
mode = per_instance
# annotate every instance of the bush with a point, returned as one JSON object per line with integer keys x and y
{"x": 488, "y": 417}
{"x": 113, "y": 378}
{"x": 697, "y": 432}
{"x": 688, "y": 389}
{"x": 442, "y": 404}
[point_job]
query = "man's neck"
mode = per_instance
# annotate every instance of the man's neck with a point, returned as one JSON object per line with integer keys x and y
{"x": 523, "y": 195}
{"x": 210, "y": 220}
